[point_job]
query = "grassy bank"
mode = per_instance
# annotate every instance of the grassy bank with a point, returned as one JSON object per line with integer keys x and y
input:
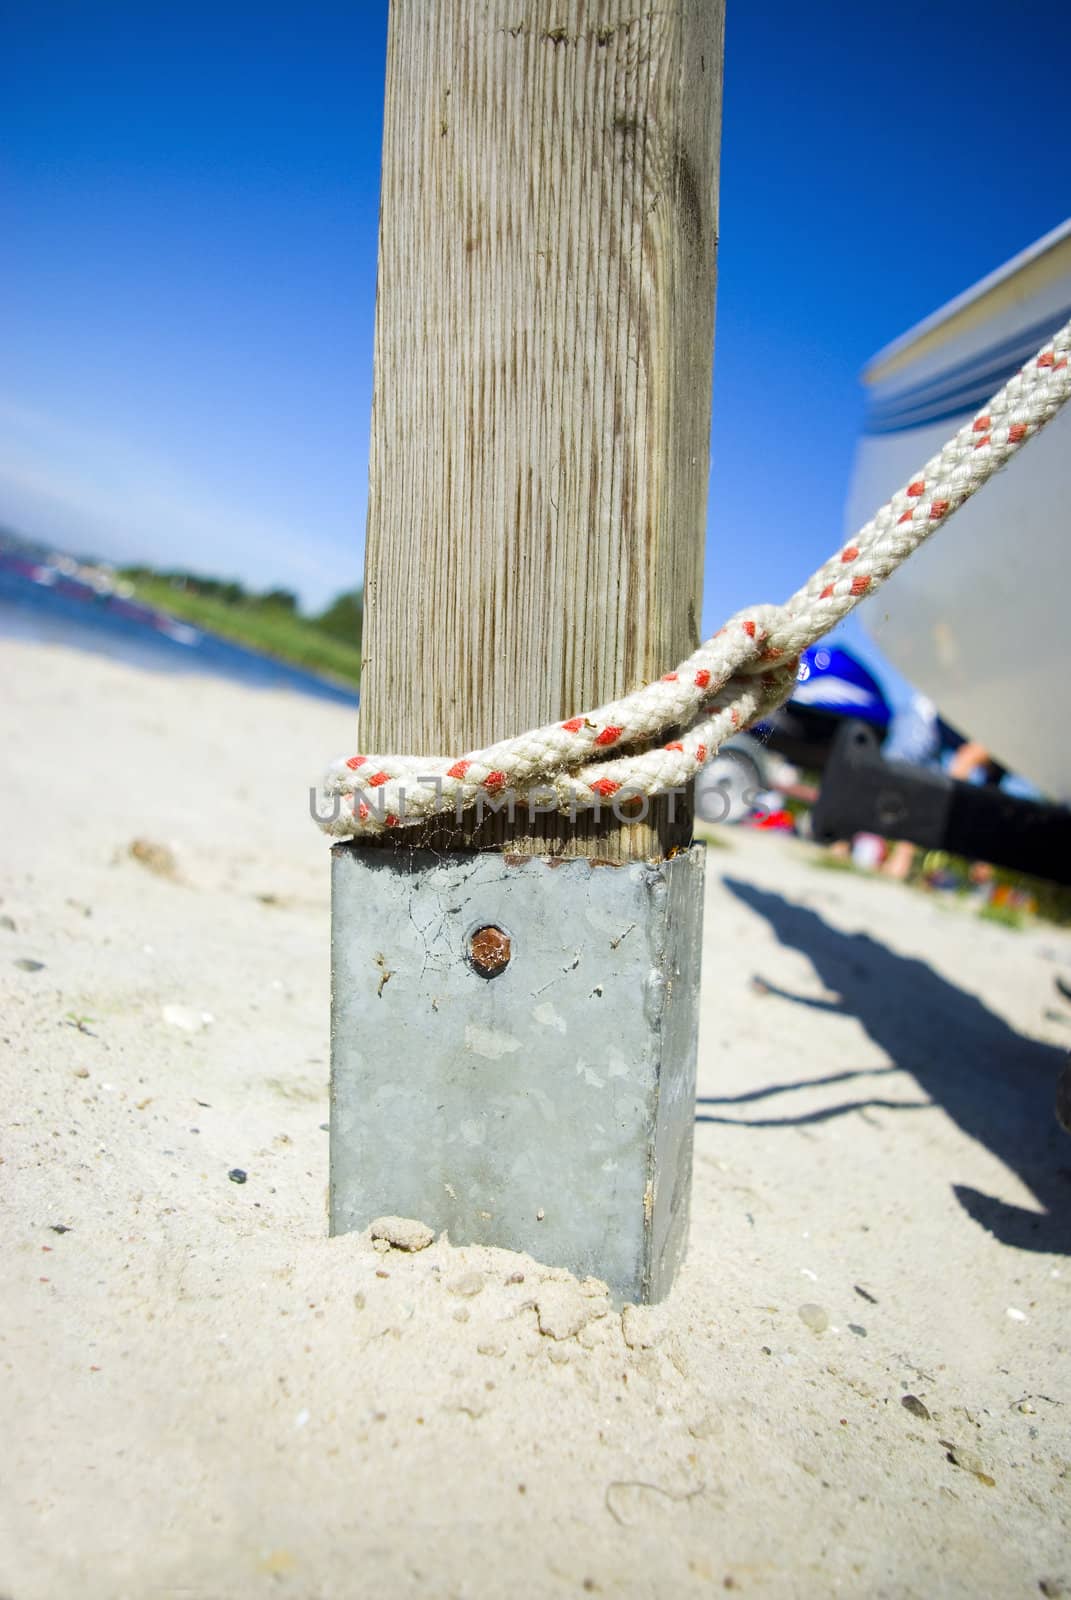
{"x": 275, "y": 629}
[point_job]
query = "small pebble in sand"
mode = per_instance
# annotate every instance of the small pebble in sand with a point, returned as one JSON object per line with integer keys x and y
{"x": 236, "y": 1175}
{"x": 858, "y": 1329}
{"x": 154, "y": 857}
{"x": 515, "y": 1277}
{"x": 1016, "y": 1315}
{"x": 1054, "y": 1588}
{"x": 461, "y": 1314}
{"x": 59, "y": 1227}
{"x": 469, "y": 1284}
{"x": 24, "y": 964}
{"x": 8, "y": 924}
{"x": 183, "y": 1018}
{"x": 912, "y": 1403}
{"x": 865, "y": 1294}
{"x": 381, "y": 1247}
{"x": 81, "y": 1072}
{"x": 970, "y": 1461}
{"x": 404, "y": 1233}
{"x": 816, "y": 1317}
{"x": 643, "y": 1327}
{"x": 562, "y": 1310}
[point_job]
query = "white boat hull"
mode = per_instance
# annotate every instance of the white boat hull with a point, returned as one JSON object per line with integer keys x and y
{"x": 979, "y": 618}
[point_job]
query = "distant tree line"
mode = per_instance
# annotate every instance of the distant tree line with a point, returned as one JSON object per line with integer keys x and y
{"x": 342, "y": 618}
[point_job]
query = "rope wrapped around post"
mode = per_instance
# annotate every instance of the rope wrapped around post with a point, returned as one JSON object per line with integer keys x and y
{"x": 733, "y": 680}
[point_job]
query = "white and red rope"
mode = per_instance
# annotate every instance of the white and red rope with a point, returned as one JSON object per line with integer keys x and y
{"x": 733, "y": 680}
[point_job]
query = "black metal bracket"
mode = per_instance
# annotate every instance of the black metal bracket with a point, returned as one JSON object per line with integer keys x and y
{"x": 863, "y": 793}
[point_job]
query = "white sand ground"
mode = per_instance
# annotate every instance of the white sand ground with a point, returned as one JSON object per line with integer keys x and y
{"x": 202, "y": 1395}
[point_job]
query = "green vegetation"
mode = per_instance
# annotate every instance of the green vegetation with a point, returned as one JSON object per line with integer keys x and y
{"x": 344, "y": 617}
{"x": 1005, "y": 915}
{"x": 329, "y": 643}
{"x": 1013, "y": 898}
{"x": 831, "y": 863}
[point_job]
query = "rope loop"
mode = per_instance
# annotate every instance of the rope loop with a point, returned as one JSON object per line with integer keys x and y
{"x": 616, "y": 754}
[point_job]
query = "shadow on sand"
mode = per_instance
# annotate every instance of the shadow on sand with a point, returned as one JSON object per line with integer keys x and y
{"x": 996, "y": 1083}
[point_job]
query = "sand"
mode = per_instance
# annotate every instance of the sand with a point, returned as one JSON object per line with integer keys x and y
{"x": 203, "y": 1395}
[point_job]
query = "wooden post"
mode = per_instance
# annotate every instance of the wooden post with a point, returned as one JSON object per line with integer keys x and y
{"x": 544, "y": 334}
{"x": 538, "y": 480}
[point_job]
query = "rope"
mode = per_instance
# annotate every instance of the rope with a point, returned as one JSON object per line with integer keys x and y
{"x": 735, "y": 679}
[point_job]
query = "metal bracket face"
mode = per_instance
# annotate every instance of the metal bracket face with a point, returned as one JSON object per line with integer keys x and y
{"x": 513, "y": 1053}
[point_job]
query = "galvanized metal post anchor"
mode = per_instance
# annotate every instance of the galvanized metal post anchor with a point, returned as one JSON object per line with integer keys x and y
{"x": 513, "y": 1053}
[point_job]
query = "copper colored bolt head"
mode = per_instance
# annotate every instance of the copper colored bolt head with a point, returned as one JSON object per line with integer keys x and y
{"x": 489, "y": 951}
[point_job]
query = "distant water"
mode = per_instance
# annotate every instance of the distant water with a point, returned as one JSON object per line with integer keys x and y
{"x": 37, "y": 602}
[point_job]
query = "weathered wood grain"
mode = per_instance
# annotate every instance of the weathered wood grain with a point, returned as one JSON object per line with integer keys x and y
{"x": 544, "y": 333}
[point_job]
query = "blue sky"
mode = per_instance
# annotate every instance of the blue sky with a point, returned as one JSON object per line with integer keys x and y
{"x": 188, "y": 199}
